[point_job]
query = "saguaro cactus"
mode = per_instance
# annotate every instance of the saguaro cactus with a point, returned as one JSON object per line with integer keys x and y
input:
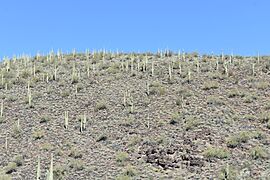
{"x": 2, "y": 109}
{"x": 38, "y": 169}
{"x": 66, "y": 119}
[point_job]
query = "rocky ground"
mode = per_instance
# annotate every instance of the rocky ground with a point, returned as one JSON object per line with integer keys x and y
{"x": 135, "y": 116}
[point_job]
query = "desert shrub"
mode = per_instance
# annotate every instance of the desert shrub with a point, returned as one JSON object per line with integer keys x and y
{"x": 18, "y": 160}
{"x": 191, "y": 123}
{"x": 215, "y": 152}
{"x": 12, "y": 98}
{"x": 178, "y": 101}
{"x": 44, "y": 119}
{"x": 210, "y": 85}
{"x": 261, "y": 85}
{"x": 75, "y": 79}
{"x": 130, "y": 171}
{"x": 102, "y": 137}
{"x": 250, "y": 98}
{"x": 216, "y": 75}
{"x": 264, "y": 117}
{"x": 267, "y": 106}
{"x": 185, "y": 92}
{"x": 122, "y": 157}
{"x": 101, "y": 105}
{"x": 16, "y": 132}
{"x": 38, "y": 134}
{"x": 175, "y": 118}
{"x": 10, "y": 168}
{"x": 77, "y": 165}
{"x": 259, "y": 153}
{"x": 133, "y": 141}
{"x": 113, "y": 69}
{"x": 59, "y": 172}
{"x": 127, "y": 122}
{"x": 46, "y": 146}
{"x": 5, "y": 177}
{"x": 258, "y": 134}
{"x": 157, "y": 88}
{"x": 65, "y": 93}
{"x": 79, "y": 87}
{"x": 268, "y": 125}
{"x": 228, "y": 173}
{"x": 2, "y": 120}
{"x": 235, "y": 93}
{"x": 25, "y": 74}
{"x": 215, "y": 100}
{"x": 75, "y": 153}
{"x": 250, "y": 117}
{"x": 239, "y": 138}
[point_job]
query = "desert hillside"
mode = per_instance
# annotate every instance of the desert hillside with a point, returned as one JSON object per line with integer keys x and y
{"x": 108, "y": 115}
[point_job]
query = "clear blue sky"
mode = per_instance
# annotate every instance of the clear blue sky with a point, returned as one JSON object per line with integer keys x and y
{"x": 241, "y": 26}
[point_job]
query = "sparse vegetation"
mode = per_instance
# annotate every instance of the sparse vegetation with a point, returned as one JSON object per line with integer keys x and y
{"x": 215, "y": 152}
{"x": 259, "y": 153}
{"x": 119, "y": 115}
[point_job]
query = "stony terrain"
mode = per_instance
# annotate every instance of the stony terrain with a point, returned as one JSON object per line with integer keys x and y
{"x": 135, "y": 116}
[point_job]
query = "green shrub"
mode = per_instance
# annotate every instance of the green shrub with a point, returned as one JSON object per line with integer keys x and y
{"x": 122, "y": 157}
{"x": 215, "y": 100}
{"x": 2, "y": 120}
{"x": 130, "y": 171}
{"x": 75, "y": 153}
{"x": 264, "y": 117}
{"x": 157, "y": 88}
{"x": 18, "y": 160}
{"x": 77, "y": 165}
{"x": 101, "y": 105}
{"x": 235, "y": 93}
{"x": 5, "y": 177}
{"x": 236, "y": 140}
{"x": 191, "y": 123}
{"x": 261, "y": 85}
{"x": 175, "y": 118}
{"x": 215, "y": 152}
{"x": 16, "y": 132}
{"x": 102, "y": 137}
{"x": 259, "y": 153}
{"x": 228, "y": 173}
{"x": 44, "y": 119}
{"x": 250, "y": 98}
{"x": 65, "y": 93}
{"x": 210, "y": 85}
{"x": 59, "y": 172}
{"x": 10, "y": 168}
{"x": 38, "y": 134}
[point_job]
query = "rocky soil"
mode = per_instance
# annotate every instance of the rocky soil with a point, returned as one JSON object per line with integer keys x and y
{"x": 135, "y": 116}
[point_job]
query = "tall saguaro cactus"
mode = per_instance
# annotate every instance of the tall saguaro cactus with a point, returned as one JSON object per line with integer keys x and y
{"x": 38, "y": 169}
{"x": 66, "y": 119}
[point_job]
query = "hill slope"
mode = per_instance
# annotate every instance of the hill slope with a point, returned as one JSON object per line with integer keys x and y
{"x": 137, "y": 116}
